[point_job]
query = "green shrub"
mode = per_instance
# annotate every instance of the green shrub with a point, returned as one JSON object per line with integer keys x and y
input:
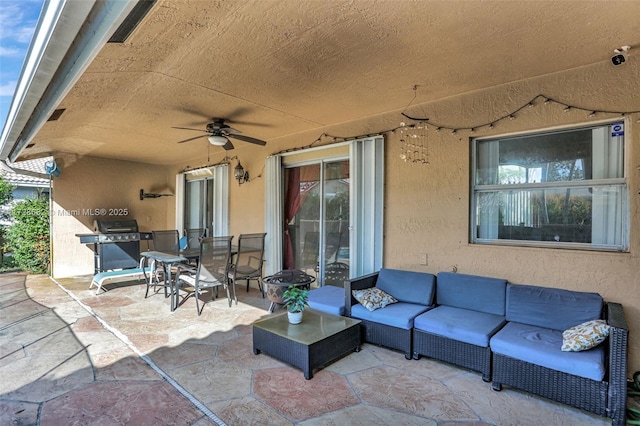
{"x": 28, "y": 237}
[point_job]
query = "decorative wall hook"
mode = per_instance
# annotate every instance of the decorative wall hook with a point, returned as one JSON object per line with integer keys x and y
{"x": 150, "y": 195}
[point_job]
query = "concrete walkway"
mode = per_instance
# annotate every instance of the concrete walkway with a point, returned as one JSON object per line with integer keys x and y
{"x": 69, "y": 357}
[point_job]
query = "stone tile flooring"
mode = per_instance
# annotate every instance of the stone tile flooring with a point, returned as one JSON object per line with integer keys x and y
{"x": 69, "y": 357}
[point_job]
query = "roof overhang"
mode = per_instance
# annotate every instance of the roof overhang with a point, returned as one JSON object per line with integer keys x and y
{"x": 288, "y": 71}
{"x": 68, "y": 36}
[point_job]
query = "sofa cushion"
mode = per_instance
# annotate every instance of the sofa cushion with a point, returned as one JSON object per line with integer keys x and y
{"x": 541, "y": 346}
{"x": 464, "y": 325}
{"x": 407, "y": 286}
{"x": 474, "y": 292}
{"x": 585, "y": 336}
{"x": 399, "y": 315}
{"x": 373, "y": 298}
{"x": 553, "y": 308}
{"x": 328, "y": 298}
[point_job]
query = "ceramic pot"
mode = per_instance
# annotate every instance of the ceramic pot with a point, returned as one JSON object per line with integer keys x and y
{"x": 294, "y": 317}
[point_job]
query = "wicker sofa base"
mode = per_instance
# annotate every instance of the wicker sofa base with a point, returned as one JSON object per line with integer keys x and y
{"x": 605, "y": 398}
{"x": 452, "y": 351}
{"x": 578, "y": 392}
{"x": 385, "y": 335}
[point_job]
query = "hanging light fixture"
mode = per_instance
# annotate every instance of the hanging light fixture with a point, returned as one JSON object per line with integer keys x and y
{"x": 217, "y": 140}
{"x": 241, "y": 175}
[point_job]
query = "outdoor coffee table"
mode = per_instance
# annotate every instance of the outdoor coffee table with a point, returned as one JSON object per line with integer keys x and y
{"x": 318, "y": 340}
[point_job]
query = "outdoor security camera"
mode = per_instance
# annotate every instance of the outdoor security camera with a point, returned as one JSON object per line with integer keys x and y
{"x": 618, "y": 59}
{"x": 620, "y": 56}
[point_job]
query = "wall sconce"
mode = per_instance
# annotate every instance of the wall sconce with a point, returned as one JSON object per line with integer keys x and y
{"x": 241, "y": 175}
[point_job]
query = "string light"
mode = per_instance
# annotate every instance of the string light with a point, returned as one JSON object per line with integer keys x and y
{"x": 513, "y": 114}
{"x": 423, "y": 123}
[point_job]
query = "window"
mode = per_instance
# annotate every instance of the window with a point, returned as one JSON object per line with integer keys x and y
{"x": 202, "y": 200}
{"x": 556, "y": 189}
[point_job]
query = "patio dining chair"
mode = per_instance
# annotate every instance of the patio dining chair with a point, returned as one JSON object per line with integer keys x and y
{"x": 167, "y": 240}
{"x": 193, "y": 237}
{"x": 212, "y": 271}
{"x": 248, "y": 261}
{"x": 164, "y": 241}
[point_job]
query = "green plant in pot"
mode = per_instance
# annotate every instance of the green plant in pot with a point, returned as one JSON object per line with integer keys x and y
{"x": 295, "y": 300}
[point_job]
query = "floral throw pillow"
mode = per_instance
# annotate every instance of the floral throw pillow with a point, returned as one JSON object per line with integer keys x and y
{"x": 373, "y": 298}
{"x": 585, "y": 336}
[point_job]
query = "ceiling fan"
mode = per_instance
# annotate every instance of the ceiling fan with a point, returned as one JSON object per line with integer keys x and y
{"x": 218, "y": 133}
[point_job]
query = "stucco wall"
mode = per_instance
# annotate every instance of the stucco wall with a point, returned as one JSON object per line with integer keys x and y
{"x": 87, "y": 184}
{"x": 427, "y": 206}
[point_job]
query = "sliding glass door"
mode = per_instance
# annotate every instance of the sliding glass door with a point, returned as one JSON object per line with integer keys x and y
{"x": 317, "y": 220}
{"x": 199, "y": 205}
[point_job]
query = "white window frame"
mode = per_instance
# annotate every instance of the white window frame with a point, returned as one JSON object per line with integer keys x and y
{"x": 489, "y": 232}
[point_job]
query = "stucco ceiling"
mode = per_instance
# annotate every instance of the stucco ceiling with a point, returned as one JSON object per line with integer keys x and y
{"x": 277, "y": 68}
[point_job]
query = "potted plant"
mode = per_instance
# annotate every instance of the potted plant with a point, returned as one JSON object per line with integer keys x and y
{"x": 295, "y": 300}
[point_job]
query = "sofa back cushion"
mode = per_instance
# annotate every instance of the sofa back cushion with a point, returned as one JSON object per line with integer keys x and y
{"x": 408, "y": 286}
{"x": 482, "y": 294}
{"x": 552, "y": 308}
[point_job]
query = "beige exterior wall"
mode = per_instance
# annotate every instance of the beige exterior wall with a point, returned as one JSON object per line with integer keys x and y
{"x": 426, "y": 206}
{"x": 87, "y": 184}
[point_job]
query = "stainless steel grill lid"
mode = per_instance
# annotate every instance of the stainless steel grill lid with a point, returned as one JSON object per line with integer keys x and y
{"x": 115, "y": 226}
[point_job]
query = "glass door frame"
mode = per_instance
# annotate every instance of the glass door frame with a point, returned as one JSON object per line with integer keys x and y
{"x": 322, "y": 227}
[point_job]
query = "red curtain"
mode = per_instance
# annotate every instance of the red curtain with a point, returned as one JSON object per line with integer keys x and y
{"x": 293, "y": 203}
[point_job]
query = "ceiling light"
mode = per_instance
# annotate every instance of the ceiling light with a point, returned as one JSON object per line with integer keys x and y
{"x": 217, "y": 140}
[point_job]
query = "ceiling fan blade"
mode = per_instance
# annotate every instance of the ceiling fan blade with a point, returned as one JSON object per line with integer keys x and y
{"x": 230, "y": 130}
{"x": 238, "y": 112}
{"x": 193, "y": 138}
{"x": 189, "y": 128}
{"x": 192, "y": 111}
{"x": 228, "y": 146}
{"x": 250, "y": 123}
{"x": 248, "y": 139}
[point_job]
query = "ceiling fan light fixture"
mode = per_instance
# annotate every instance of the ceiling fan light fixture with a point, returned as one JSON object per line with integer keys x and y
{"x": 218, "y": 140}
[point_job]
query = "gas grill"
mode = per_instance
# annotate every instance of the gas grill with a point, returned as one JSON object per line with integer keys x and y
{"x": 116, "y": 244}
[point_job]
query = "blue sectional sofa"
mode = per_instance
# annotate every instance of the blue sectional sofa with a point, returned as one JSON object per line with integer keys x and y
{"x": 527, "y": 351}
{"x": 470, "y": 309}
{"x": 328, "y": 298}
{"x": 512, "y": 334}
{"x": 392, "y": 325}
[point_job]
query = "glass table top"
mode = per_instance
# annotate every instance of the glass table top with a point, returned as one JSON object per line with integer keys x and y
{"x": 315, "y": 326}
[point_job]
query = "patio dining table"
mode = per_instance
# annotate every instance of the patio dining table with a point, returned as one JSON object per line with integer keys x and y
{"x": 168, "y": 260}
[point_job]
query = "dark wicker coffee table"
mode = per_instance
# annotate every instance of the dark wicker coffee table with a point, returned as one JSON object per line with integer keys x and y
{"x": 318, "y": 340}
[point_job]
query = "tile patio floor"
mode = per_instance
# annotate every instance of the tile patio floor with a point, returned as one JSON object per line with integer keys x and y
{"x": 69, "y": 357}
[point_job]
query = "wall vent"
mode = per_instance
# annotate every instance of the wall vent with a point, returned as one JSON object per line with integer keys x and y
{"x": 56, "y": 114}
{"x": 130, "y": 23}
